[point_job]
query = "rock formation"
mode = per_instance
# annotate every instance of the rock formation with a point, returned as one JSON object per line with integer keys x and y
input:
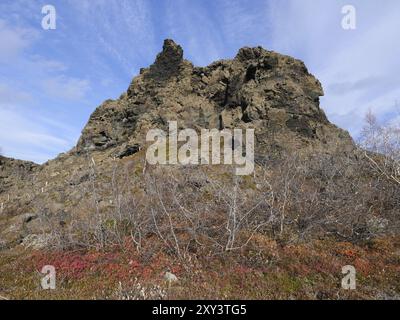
{"x": 260, "y": 89}
{"x": 272, "y": 93}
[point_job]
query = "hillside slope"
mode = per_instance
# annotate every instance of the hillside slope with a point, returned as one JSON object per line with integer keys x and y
{"x": 310, "y": 182}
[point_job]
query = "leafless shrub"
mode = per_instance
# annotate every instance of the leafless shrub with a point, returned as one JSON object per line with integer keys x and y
{"x": 190, "y": 210}
{"x": 113, "y": 212}
{"x": 381, "y": 146}
{"x": 327, "y": 195}
{"x": 246, "y": 208}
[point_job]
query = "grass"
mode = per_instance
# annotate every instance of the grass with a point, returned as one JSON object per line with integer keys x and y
{"x": 264, "y": 270}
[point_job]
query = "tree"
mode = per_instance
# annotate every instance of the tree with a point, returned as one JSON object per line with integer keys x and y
{"x": 381, "y": 146}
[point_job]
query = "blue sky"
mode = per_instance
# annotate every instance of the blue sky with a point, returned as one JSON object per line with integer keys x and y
{"x": 52, "y": 80}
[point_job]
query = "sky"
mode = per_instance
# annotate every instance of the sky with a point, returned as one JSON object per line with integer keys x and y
{"x": 52, "y": 80}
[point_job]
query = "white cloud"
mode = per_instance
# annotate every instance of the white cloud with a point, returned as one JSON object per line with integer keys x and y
{"x": 26, "y": 132}
{"x": 13, "y": 40}
{"x": 10, "y": 96}
{"x": 191, "y": 25}
{"x": 359, "y": 68}
{"x": 122, "y": 29}
{"x": 32, "y": 80}
{"x": 242, "y": 23}
{"x": 65, "y": 87}
{"x": 24, "y": 136}
{"x": 46, "y": 65}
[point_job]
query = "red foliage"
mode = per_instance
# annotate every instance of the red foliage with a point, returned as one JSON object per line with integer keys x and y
{"x": 117, "y": 265}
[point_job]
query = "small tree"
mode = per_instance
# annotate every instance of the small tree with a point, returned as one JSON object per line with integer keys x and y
{"x": 381, "y": 144}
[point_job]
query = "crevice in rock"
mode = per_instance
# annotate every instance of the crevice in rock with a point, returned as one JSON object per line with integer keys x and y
{"x": 251, "y": 73}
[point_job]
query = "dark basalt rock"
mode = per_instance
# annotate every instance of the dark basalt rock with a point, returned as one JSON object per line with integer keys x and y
{"x": 273, "y": 93}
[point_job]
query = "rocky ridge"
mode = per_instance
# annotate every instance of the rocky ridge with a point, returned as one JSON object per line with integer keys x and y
{"x": 272, "y": 93}
{"x": 260, "y": 89}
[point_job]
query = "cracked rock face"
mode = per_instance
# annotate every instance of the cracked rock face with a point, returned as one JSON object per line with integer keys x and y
{"x": 273, "y": 93}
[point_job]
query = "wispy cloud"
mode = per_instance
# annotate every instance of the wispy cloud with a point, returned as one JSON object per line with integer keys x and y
{"x": 66, "y": 88}
{"x": 121, "y": 29}
{"x": 14, "y": 40}
{"x": 27, "y": 82}
{"x": 9, "y": 96}
{"x": 24, "y": 136}
{"x": 357, "y": 68}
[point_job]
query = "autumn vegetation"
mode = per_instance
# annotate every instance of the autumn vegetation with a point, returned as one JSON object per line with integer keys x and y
{"x": 283, "y": 233}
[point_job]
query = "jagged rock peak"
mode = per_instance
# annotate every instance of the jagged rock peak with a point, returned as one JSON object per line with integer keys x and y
{"x": 168, "y": 61}
{"x": 261, "y": 89}
{"x": 248, "y": 53}
{"x": 171, "y": 53}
